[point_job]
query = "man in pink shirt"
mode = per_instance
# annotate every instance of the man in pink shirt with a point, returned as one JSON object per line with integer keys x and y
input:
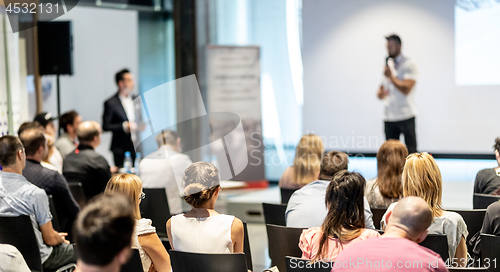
{"x": 398, "y": 248}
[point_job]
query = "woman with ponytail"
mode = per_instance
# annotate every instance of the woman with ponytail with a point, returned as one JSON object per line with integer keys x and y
{"x": 344, "y": 223}
{"x": 203, "y": 230}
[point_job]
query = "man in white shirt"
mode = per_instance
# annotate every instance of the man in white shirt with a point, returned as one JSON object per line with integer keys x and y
{"x": 397, "y": 92}
{"x": 165, "y": 168}
{"x": 122, "y": 117}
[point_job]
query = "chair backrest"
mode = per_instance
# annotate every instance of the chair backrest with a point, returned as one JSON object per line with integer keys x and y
{"x": 283, "y": 242}
{"x": 18, "y": 231}
{"x": 303, "y": 265}
{"x": 274, "y": 214}
{"x": 437, "y": 243}
{"x": 482, "y": 201}
{"x": 55, "y": 218}
{"x": 155, "y": 207}
{"x": 196, "y": 262}
{"x": 286, "y": 194}
{"x": 246, "y": 247}
{"x": 474, "y": 221}
{"x": 76, "y": 190}
{"x": 134, "y": 263}
{"x": 377, "y": 216}
{"x": 490, "y": 251}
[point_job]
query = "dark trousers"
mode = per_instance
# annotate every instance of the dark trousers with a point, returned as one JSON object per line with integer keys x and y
{"x": 61, "y": 255}
{"x": 119, "y": 157}
{"x": 394, "y": 129}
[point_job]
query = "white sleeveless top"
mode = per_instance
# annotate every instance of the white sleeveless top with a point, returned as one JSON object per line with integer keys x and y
{"x": 202, "y": 235}
{"x": 142, "y": 226}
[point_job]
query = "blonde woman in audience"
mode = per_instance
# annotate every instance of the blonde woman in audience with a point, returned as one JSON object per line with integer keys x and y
{"x": 306, "y": 164}
{"x": 154, "y": 256}
{"x": 344, "y": 224}
{"x": 202, "y": 229}
{"x": 421, "y": 177}
{"x": 386, "y": 188}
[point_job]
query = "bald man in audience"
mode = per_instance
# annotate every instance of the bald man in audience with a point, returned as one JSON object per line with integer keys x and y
{"x": 84, "y": 164}
{"x": 398, "y": 248}
{"x": 103, "y": 233}
{"x": 35, "y": 145}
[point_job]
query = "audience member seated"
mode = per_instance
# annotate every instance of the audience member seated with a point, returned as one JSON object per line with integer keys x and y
{"x": 215, "y": 233}
{"x": 154, "y": 256}
{"x": 20, "y": 197}
{"x": 27, "y": 125}
{"x": 11, "y": 259}
{"x": 103, "y": 234}
{"x": 306, "y": 208}
{"x": 386, "y": 188}
{"x": 306, "y": 164}
{"x": 35, "y": 145}
{"x": 491, "y": 225}
{"x": 488, "y": 180}
{"x": 165, "y": 168}
{"x": 344, "y": 224}
{"x": 46, "y": 160}
{"x": 398, "y": 247}
{"x": 84, "y": 164}
{"x": 421, "y": 177}
{"x": 69, "y": 122}
{"x": 46, "y": 122}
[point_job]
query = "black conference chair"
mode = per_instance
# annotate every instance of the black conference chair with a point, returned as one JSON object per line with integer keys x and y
{"x": 274, "y": 214}
{"x": 18, "y": 231}
{"x": 55, "y": 217}
{"x": 299, "y": 265}
{"x": 283, "y": 242}
{"x": 490, "y": 252}
{"x": 474, "y": 221}
{"x": 155, "y": 207}
{"x": 196, "y": 262}
{"x": 76, "y": 190}
{"x": 134, "y": 263}
{"x": 482, "y": 201}
{"x": 286, "y": 194}
{"x": 246, "y": 247}
{"x": 438, "y": 244}
{"x": 377, "y": 216}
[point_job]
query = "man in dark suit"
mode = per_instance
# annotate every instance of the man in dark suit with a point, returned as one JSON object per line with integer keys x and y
{"x": 84, "y": 164}
{"x": 121, "y": 117}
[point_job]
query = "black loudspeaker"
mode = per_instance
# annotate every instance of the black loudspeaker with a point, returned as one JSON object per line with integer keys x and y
{"x": 55, "y": 48}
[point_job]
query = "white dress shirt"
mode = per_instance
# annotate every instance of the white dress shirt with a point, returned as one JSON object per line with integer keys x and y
{"x": 128, "y": 106}
{"x": 165, "y": 168}
{"x": 398, "y": 106}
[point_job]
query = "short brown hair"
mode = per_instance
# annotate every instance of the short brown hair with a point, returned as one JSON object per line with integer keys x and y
{"x": 27, "y": 125}
{"x": 66, "y": 119}
{"x": 496, "y": 146}
{"x": 9, "y": 146}
{"x": 104, "y": 228}
{"x": 333, "y": 162}
{"x": 32, "y": 139}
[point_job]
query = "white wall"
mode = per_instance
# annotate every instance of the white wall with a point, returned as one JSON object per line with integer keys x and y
{"x": 104, "y": 41}
{"x": 344, "y": 54}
